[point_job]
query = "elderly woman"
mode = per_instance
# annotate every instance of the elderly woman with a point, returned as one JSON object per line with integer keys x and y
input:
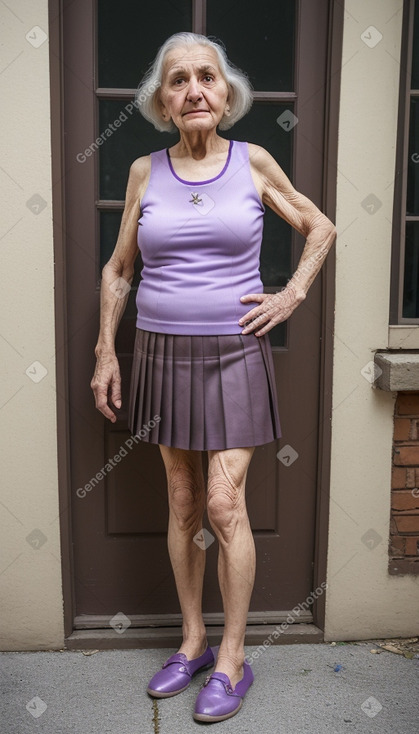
{"x": 202, "y": 375}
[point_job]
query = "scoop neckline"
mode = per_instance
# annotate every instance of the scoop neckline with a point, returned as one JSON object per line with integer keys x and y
{"x": 207, "y": 181}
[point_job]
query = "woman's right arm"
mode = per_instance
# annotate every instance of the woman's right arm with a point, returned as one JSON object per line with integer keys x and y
{"x": 117, "y": 277}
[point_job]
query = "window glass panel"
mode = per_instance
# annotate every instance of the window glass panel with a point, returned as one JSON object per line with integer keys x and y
{"x": 259, "y": 38}
{"x": 411, "y": 272}
{"x": 259, "y": 126}
{"x": 415, "y": 56}
{"x": 278, "y": 335}
{"x": 134, "y": 137}
{"x": 129, "y": 37}
{"x": 412, "y": 204}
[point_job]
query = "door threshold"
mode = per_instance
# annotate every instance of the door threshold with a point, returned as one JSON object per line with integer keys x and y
{"x": 149, "y": 637}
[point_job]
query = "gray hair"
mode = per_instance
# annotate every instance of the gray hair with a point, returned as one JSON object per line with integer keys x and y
{"x": 147, "y": 94}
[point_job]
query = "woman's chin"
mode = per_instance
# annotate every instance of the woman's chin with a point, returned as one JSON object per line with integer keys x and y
{"x": 190, "y": 123}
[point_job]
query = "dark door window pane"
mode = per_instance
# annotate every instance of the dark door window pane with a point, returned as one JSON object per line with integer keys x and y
{"x": 260, "y": 126}
{"x": 259, "y": 38}
{"x": 412, "y": 204}
{"x": 411, "y": 272}
{"x": 415, "y": 56}
{"x": 129, "y": 37}
{"x": 134, "y": 137}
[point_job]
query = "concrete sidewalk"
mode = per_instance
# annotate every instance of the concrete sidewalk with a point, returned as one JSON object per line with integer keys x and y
{"x": 296, "y": 689}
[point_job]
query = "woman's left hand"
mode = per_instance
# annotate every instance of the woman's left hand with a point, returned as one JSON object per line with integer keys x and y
{"x": 273, "y": 308}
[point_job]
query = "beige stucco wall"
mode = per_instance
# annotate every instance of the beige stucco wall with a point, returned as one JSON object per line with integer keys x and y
{"x": 31, "y": 613}
{"x": 363, "y": 600}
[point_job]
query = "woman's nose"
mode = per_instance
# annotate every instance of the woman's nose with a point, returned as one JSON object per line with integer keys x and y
{"x": 194, "y": 92}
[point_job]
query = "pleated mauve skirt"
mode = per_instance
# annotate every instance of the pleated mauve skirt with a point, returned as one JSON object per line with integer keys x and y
{"x": 203, "y": 392}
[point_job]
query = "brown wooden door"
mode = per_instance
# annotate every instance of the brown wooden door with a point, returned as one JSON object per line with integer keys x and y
{"x": 119, "y": 509}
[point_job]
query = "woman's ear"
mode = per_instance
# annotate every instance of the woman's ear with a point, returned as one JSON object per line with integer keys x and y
{"x": 163, "y": 109}
{"x": 227, "y": 110}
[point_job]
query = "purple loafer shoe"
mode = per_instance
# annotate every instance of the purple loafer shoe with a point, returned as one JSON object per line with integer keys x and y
{"x": 177, "y": 672}
{"x": 217, "y": 700}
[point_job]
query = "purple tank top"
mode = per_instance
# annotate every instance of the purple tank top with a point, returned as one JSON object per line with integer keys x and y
{"x": 200, "y": 245}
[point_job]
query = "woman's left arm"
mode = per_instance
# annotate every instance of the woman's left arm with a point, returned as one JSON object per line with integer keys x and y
{"x": 277, "y": 192}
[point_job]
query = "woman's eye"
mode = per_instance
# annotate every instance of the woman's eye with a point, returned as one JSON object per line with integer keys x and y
{"x": 208, "y": 78}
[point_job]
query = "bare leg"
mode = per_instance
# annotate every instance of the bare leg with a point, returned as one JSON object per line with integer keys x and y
{"x": 186, "y": 493}
{"x": 227, "y": 513}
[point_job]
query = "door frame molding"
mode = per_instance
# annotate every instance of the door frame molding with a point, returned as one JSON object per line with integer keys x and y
{"x": 55, "y": 33}
{"x": 327, "y": 275}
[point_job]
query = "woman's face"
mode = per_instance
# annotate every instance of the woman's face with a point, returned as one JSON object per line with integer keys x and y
{"x": 193, "y": 91}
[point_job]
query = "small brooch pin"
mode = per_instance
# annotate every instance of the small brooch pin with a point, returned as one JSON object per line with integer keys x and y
{"x": 195, "y": 199}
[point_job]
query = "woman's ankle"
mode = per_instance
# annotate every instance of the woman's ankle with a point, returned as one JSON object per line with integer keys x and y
{"x": 194, "y": 644}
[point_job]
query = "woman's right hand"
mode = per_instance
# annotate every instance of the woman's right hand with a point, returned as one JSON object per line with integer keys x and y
{"x": 107, "y": 375}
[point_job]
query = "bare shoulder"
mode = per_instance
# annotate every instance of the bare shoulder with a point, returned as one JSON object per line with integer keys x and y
{"x": 140, "y": 168}
{"x": 259, "y": 157}
{"x": 139, "y": 174}
{"x": 267, "y": 169}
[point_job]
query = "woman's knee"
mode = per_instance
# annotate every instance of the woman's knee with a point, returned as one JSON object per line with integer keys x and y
{"x": 185, "y": 483}
{"x": 226, "y": 504}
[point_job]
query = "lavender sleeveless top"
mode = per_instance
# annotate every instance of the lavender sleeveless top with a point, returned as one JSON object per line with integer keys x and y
{"x": 200, "y": 245}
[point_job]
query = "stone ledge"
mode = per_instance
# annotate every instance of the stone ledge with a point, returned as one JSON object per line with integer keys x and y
{"x": 402, "y": 566}
{"x": 397, "y": 371}
{"x": 147, "y": 637}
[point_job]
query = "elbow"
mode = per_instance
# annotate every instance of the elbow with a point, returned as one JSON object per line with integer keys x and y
{"x": 327, "y": 225}
{"x": 111, "y": 268}
{"x": 320, "y": 226}
{"x": 332, "y": 232}
{"x": 329, "y": 230}
{"x": 330, "y": 236}
{"x": 118, "y": 269}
